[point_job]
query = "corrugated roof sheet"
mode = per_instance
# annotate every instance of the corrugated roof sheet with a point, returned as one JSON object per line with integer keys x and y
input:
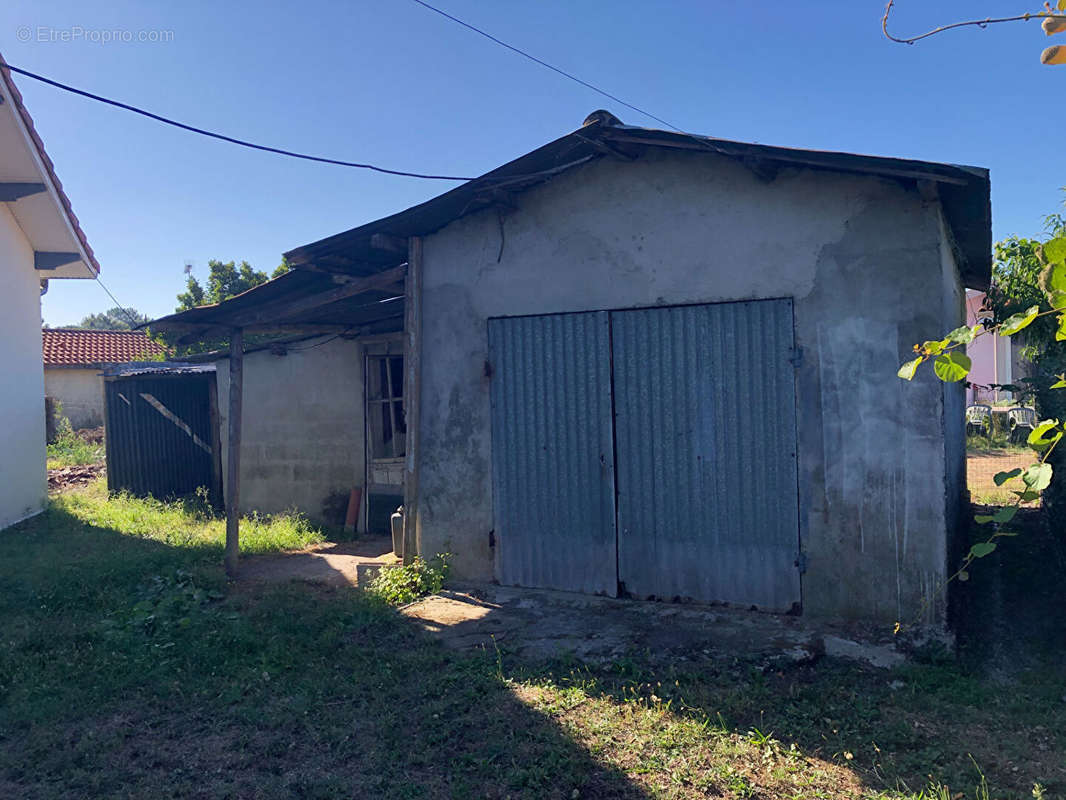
{"x": 141, "y": 368}
{"x": 72, "y": 347}
{"x": 380, "y": 310}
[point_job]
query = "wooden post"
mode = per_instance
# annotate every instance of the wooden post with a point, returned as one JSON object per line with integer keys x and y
{"x": 411, "y": 394}
{"x": 233, "y": 461}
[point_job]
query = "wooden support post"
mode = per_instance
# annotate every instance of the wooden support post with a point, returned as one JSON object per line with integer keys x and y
{"x": 412, "y": 394}
{"x": 233, "y": 461}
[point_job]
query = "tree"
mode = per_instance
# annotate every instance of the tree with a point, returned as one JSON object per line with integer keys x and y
{"x": 225, "y": 279}
{"x": 1018, "y": 261}
{"x": 114, "y": 319}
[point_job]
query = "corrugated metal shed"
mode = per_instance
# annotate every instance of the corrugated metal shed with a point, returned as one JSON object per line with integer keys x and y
{"x": 161, "y": 425}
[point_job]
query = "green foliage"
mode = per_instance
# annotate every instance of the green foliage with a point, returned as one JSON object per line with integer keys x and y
{"x": 1028, "y": 297}
{"x": 225, "y": 279}
{"x": 114, "y": 319}
{"x": 188, "y": 524}
{"x": 399, "y": 585}
{"x": 69, "y": 449}
{"x": 952, "y": 367}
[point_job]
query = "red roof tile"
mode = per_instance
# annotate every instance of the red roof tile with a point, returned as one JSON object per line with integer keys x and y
{"x": 68, "y": 347}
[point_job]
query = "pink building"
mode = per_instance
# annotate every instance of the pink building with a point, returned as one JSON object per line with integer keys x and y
{"x": 996, "y": 359}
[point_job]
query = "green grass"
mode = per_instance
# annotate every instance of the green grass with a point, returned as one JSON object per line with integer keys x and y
{"x": 130, "y": 667}
{"x": 69, "y": 450}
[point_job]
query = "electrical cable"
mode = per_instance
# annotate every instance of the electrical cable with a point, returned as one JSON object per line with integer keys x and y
{"x": 133, "y": 321}
{"x": 223, "y": 137}
{"x": 545, "y": 64}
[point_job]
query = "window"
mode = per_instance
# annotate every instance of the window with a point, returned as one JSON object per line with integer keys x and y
{"x": 384, "y": 407}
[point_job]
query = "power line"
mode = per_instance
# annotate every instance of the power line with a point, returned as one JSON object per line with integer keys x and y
{"x": 223, "y": 137}
{"x": 542, "y": 63}
{"x": 133, "y": 321}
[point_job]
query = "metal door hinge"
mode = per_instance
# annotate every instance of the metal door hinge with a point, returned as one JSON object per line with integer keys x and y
{"x": 796, "y": 358}
{"x": 801, "y": 562}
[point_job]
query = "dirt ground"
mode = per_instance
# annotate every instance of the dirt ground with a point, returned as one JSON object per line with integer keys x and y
{"x": 65, "y": 478}
{"x": 335, "y": 563}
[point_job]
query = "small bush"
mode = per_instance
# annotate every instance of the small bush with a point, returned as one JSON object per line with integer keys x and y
{"x": 69, "y": 449}
{"x": 400, "y": 585}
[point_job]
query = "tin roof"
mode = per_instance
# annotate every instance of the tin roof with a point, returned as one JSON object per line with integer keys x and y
{"x": 78, "y": 347}
{"x": 964, "y": 191}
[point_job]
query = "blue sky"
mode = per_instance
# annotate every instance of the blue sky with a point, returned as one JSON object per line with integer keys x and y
{"x": 389, "y": 82}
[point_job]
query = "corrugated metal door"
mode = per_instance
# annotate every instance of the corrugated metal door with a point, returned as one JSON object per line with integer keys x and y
{"x": 553, "y": 462}
{"x": 706, "y": 433}
{"x": 161, "y": 435}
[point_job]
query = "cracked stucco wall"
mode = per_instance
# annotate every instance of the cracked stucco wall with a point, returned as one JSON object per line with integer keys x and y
{"x": 862, "y": 257}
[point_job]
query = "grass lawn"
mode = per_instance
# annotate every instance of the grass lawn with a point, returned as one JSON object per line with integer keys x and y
{"x": 129, "y": 667}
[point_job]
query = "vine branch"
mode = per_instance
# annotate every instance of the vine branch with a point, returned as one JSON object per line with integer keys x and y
{"x": 980, "y": 23}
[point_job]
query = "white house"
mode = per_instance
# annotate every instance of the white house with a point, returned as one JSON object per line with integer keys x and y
{"x": 40, "y": 239}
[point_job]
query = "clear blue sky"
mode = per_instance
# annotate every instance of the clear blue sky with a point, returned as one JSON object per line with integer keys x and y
{"x": 389, "y": 82}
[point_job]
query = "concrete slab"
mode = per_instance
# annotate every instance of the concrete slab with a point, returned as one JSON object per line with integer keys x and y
{"x": 539, "y": 624}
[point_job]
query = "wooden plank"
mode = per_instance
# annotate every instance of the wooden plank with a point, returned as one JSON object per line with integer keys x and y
{"x": 411, "y": 394}
{"x": 388, "y": 243}
{"x": 723, "y": 149}
{"x": 216, "y": 442}
{"x": 233, "y": 461}
{"x": 387, "y": 392}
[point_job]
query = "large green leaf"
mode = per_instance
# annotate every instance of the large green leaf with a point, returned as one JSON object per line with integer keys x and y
{"x": 907, "y": 370}
{"x": 1052, "y": 282}
{"x": 1037, "y": 477}
{"x": 1061, "y": 382}
{"x": 952, "y": 366}
{"x": 1005, "y": 514}
{"x": 1042, "y": 434}
{"x": 1001, "y": 478}
{"x": 982, "y": 549}
{"x": 1060, "y": 331}
{"x": 1055, "y": 250}
{"x": 932, "y": 348}
{"x": 1015, "y": 323}
{"x": 963, "y": 335}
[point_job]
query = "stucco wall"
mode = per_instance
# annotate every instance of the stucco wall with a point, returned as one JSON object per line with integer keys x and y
{"x": 22, "y": 454}
{"x": 860, "y": 255}
{"x": 303, "y": 432}
{"x": 81, "y": 392}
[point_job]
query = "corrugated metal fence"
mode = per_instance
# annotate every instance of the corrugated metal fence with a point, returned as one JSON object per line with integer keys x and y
{"x": 696, "y": 404}
{"x": 162, "y": 435}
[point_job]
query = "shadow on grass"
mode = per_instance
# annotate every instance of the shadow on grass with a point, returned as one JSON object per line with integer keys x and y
{"x": 131, "y": 667}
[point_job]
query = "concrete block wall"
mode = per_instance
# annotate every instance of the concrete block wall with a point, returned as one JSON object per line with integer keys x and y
{"x": 302, "y": 443}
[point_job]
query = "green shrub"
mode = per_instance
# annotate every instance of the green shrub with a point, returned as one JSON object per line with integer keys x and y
{"x": 399, "y": 585}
